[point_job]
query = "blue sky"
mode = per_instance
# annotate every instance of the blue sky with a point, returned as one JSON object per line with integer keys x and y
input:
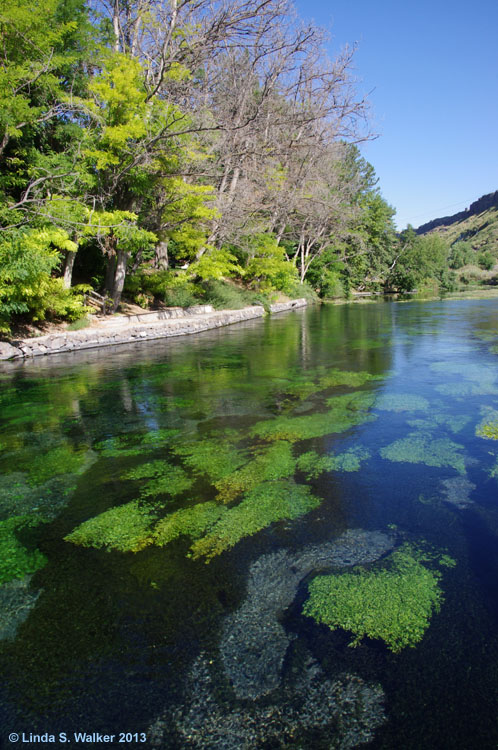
{"x": 433, "y": 68}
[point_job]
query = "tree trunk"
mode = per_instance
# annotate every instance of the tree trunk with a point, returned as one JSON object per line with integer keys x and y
{"x": 109, "y": 273}
{"x": 68, "y": 269}
{"x": 119, "y": 278}
{"x": 161, "y": 255}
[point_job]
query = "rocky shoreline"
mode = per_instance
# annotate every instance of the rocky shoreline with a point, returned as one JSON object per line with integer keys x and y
{"x": 126, "y": 329}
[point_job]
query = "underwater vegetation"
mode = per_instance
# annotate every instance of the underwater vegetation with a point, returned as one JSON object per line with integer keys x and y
{"x": 313, "y": 465}
{"x": 215, "y": 458}
{"x": 394, "y": 603}
{"x": 488, "y": 426}
{"x": 421, "y": 448}
{"x": 481, "y": 380}
{"x": 273, "y": 462}
{"x": 345, "y": 412}
{"x": 453, "y": 423}
{"x": 165, "y": 478}
{"x": 254, "y": 643}
{"x": 122, "y": 446}
{"x": 15, "y": 559}
{"x": 126, "y": 528}
{"x": 192, "y": 522}
{"x": 259, "y": 508}
{"x": 402, "y": 402}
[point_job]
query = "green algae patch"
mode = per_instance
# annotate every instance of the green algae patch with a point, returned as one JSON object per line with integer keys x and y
{"x": 402, "y": 402}
{"x": 488, "y": 427}
{"x": 125, "y": 446}
{"x": 15, "y": 560}
{"x": 274, "y": 462}
{"x": 420, "y": 448}
{"x": 126, "y": 528}
{"x": 393, "y": 604}
{"x": 313, "y": 465}
{"x": 192, "y": 522}
{"x": 453, "y": 423}
{"x": 344, "y": 412}
{"x": 265, "y": 504}
{"x": 348, "y": 378}
{"x": 215, "y": 458}
{"x": 165, "y": 479}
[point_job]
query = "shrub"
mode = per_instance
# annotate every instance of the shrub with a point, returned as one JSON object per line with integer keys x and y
{"x": 486, "y": 261}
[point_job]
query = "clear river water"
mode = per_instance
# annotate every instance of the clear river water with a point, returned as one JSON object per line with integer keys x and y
{"x": 169, "y": 510}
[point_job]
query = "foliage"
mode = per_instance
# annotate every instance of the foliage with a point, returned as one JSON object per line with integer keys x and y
{"x": 214, "y": 264}
{"x": 393, "y": 603}
{"x": 486, "y": 261}
{"x": 420, "y": 448}
{"x": 267, "y": 268}
{"x": 15, "y": 560}
{"x": 421, "y": 258}
{"x": 27, "y": 259}
{"x": 461, "y": 255}
{"x": 126, "y": 528}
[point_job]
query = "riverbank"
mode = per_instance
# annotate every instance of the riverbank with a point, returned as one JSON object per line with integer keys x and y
{"x": 126, "y": 329}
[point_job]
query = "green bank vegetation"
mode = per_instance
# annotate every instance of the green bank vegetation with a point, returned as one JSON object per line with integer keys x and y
{"x": 172, "y": 153}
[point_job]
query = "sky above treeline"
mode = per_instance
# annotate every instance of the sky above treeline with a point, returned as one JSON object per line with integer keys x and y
{"x": 432, "y": 70}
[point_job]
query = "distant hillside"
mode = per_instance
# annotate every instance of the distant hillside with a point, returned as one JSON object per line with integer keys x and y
{"x": 477, "y": 225}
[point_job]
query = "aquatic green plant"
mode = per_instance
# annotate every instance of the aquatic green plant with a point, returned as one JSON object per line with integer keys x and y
{"x": 15, "y": 560}
{"x": 215, "y": 458}
{"x": 123, "y": 446}
{"x": 488, "y": 426}
{"x": 394, "y": 603}
{"x": 166, "y": 478}
{"x": 420, "y": 448}
{"x": 481, "y": 379}
{"x": 452, "y": 422}
{"x": 126, "y": 528}
{"x": 265, "y": 504}
{"x": 273, "y": 462}
{"x": 345, "y": 412}
{"x": 192, "y": 522}
{"x": 42, "y": 465}
{"x": 313, "y": 465}
{"x": 335, "y": 377}
{"x": 402, "y": 402}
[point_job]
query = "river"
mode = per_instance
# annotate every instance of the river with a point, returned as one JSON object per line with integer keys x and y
{"x": 171, "y": 514}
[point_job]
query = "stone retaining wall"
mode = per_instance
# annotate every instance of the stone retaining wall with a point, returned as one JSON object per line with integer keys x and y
{"x": 126, "y": 329}
{"x": 88, "y": 338}
{"x": 291, "y": 305}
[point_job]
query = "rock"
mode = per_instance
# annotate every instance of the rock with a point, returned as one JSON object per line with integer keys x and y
{"x": 343, "y": 713}
{"x": 254, "y": 643}
{"x": 7, "y": 351}
{"x": 16, "y": 602}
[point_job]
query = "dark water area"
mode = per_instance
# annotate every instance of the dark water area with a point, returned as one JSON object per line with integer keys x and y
{"x": 166, "y": 507}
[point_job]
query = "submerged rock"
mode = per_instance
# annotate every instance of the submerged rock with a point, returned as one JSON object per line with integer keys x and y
{"x": 16, "y": 602}
{"x": 254, "y": 643}
{"x": 343, "y": 713}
